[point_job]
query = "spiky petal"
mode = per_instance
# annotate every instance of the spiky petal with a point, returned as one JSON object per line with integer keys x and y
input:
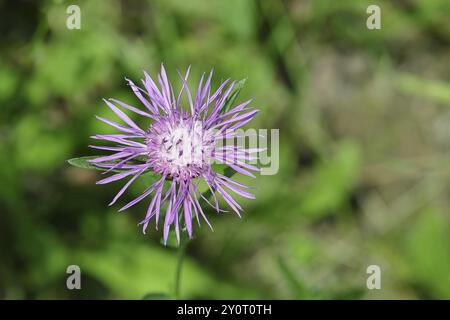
{"x": 180, "y": 146}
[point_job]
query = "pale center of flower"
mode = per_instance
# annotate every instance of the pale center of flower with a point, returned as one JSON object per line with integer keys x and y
{"x": 181, "y": 151}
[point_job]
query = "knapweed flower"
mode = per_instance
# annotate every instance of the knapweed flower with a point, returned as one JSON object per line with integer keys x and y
{"x": 180, "y": 147}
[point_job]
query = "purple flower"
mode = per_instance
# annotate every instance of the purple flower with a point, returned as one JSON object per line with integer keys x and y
{"x": 179, "y": 146}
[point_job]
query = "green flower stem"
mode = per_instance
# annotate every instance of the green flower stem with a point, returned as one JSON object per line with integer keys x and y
{"x": 181, "y": 254}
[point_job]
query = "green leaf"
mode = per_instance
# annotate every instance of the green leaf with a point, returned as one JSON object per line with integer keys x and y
{"x": 438, "y": 91}
{"x": 156, "y": 296}
{"x": 233, "y": 95}
{"x": 83, "y": 162}
{"x": 428, "y": 252}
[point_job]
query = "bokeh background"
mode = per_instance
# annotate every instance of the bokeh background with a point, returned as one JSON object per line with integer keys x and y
{"x": 364, "y": 148}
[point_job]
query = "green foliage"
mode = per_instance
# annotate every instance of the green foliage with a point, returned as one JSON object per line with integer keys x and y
{"x": 229, "y": 102}
{"x": 434, "y": 90}
{"x": 428, "y": 252}
{"x": 331, "y": 182}
{"x": 364, "y": 142}
{"x": 83, "y": 163}
{"x": 150, "y": 269}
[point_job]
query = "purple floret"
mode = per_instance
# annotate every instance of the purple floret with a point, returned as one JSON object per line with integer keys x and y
{"x": 180, "y": 147}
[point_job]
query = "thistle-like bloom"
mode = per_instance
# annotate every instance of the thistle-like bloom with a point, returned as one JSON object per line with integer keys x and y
{"x": 179, "y": 146}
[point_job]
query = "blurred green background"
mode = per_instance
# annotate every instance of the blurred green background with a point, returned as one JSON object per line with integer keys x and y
{"x": 364, "y": 148}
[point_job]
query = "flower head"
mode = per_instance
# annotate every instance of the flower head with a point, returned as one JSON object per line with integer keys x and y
{"x": 179, "y": 146}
